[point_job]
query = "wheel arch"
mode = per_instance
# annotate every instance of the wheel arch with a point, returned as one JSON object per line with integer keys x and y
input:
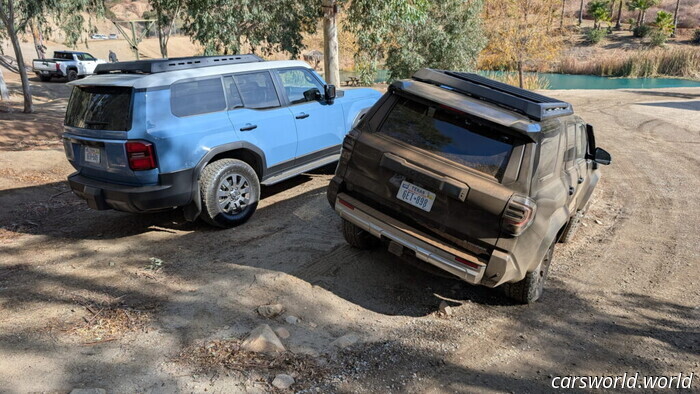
{"x": 241, "y": 150}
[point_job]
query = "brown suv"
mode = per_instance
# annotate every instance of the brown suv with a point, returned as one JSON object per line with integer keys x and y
{"x": 473, "y": 176}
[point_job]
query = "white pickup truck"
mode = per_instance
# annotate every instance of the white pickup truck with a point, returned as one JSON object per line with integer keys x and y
{"x": 68, "y": 64}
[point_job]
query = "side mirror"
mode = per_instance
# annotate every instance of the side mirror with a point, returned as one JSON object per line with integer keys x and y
{"x": 329, "y": 91}
{"x": 601, "y": 156}
{"x": 312, "y": 94}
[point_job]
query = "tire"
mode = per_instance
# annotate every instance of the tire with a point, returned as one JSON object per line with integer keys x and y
{"x": 573, "y": 226}
{"x": 44, "y": 78}
{"x": 530, "y": 289}
{"x": 230, "y": 192}
{"x": 72, "y": 75}
{"x": 357, "y": 237}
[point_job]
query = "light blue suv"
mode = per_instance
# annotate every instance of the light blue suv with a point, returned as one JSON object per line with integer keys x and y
{"x": 202, "y": 133}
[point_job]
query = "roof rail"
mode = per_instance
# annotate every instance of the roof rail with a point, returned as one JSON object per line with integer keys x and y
{"x": 152, "y": 66}
{"x": 533, "y": 105}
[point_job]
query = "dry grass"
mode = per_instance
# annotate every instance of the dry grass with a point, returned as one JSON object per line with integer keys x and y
{"x": 108, "y": 323}
{"x": 661, "y": 62}
{"x": 228, "y": 355}
{"x": 530, "y": 81}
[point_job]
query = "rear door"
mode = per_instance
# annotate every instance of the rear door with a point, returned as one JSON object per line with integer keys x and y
{"x": 86, "y": 63}
{"x": 258, "y": 117}
{"x": 319, "y": 125}
{"x": 571, "y": 171}
{"x": 435, "y": 167}
{"x": 583, "y": 165}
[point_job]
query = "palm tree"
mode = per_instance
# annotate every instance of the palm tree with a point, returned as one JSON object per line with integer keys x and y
{"x": 675, "y": 17}
{"x": 580, "y": 13}
{"x": 642, "y": 6}
{"x": 618, "y": 24}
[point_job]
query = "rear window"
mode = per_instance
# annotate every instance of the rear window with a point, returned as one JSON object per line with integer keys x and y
{"x": 197, "y": 97}
{"x": 449, "y": 134}
{"x": 63, "y": 55}
{"x": 100, "y": 108}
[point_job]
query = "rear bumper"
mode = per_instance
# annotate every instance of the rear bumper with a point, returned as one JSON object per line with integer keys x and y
{"x": 173, "y": 190}
{"x": 50, "y": 73}
{"x": 426, "y": 248}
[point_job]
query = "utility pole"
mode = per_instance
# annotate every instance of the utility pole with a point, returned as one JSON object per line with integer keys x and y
{"x": 330, "y": 42}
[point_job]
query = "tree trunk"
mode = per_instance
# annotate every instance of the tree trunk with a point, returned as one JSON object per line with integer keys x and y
{"x": 330, "y": 43}
{"x": 561, "y": 20}
{"x": 163, "y": 43}
{"x": 38, "y": 41}
{"x": 4, "y": 94}
{"x": 580, "y": 13}
{"x": 12, "y": 34}
{"x": 675, "y": 17}
{"x": 521, "y": 78}
{"x": 642, "y": 17}
{"x": 618, "y": 24}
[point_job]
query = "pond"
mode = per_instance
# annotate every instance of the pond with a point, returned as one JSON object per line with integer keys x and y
{"x": 568, "y": 81}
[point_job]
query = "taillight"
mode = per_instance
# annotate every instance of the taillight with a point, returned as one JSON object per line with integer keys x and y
{"x": 141, "y": 155}
{"x": 58, "y": 67}
{"x": 519, "y": 214}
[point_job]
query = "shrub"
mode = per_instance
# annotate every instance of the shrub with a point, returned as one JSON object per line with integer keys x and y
{"x": 657, "y": 38}
{"x": 696, "y": 37}
{"x": 641, "y": 31}
{"x": 594, "y": 36}
{"x": 677, "y": 62}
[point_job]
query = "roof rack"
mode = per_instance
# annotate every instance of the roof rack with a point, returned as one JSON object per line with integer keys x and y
{"x": 179, "y": 63}
{"x": 533, "y": 105}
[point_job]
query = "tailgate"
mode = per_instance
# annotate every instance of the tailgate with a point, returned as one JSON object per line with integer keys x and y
{"x": 431, "y": 170}
{"x": 98, "y": 120}
{"x": 44, "y": 65}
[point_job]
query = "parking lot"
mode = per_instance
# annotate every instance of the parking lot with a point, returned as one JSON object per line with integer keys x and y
{"x": 120, "y": 301}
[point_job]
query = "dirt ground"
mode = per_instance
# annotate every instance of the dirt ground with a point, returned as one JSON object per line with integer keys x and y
{"x": 125, "y": 302}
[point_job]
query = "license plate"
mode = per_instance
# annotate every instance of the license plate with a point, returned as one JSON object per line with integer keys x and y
{"x": 45, "y": 72}
{"x": 416, "y": 196}
{"x": 92, "y": 155}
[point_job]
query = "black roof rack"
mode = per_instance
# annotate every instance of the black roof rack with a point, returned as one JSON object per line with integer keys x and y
{"x": 152, "y": 66}
{"x": 533, "y": 105}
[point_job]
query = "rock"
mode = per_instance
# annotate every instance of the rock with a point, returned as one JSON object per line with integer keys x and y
{"x": 88, "y": 391}
{"x": 270, "y": 311}
{"x": 283, "y": 381}
{"x": 598, "y": 222}
{"x": 282, "y": 332}
{"x": 345, "y": 341}
{"x": 262, "y": 340}
{"x": 291, "y": 319}
{"x": 445, "y": 309}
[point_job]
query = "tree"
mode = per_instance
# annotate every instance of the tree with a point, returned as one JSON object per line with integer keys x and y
{"x": 224, "y": 26}
{"x": 166, "y": 12}
{"x": 618, "y": 22}
{"x": 675, "y": 16}
{"x": 642, "y": 6}
{"x": 563, "y": 8}
{"x": 664, "y": 22}
{"x": 580, "y": 13}
{"x": 15, "y": 16}
{"x": 600, "y": 11}
{"x": 412, "y": 34}
{"x": 518, "y": 36}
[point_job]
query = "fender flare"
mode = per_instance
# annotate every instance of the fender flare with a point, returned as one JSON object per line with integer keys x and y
{"x": 194, "y": 208}
{"x": 558, "y": 220}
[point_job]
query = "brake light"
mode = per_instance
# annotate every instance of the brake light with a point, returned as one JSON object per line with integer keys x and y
{"x": 58, "y": 67}
{"x": 141, "y": 155}
{"x": 519, "y": 214}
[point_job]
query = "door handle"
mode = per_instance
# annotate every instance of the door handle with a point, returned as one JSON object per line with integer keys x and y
{"x": 571, "y": 190}
{"x": 580, "y": 179}
{"x": 249, "y": 127}
{"x": 302, "y": 115}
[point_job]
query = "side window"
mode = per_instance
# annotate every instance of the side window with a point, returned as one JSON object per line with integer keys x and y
{"x": 581, "y": 141}
{"x": 549, "y": 150}
{"x": 570, "y": 152}
{"x": 257, "y": 90}
{"x": 234, "y": 97}
{"x": 197, "y": 97}
{"x": 298, "y": 85}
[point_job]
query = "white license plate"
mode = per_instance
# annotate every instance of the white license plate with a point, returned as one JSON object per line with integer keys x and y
{"x": 45, "y": 72}
{"x": 416, "y": 196}
{"x": 92, "y": 155}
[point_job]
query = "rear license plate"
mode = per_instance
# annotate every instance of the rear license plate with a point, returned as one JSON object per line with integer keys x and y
{"x": 45, "y": 72}
{"x": 416, "y": 196}
{"x": 92, "y": 155}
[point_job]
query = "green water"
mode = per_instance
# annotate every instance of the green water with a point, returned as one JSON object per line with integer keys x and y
{"x": 568, "y": 81}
